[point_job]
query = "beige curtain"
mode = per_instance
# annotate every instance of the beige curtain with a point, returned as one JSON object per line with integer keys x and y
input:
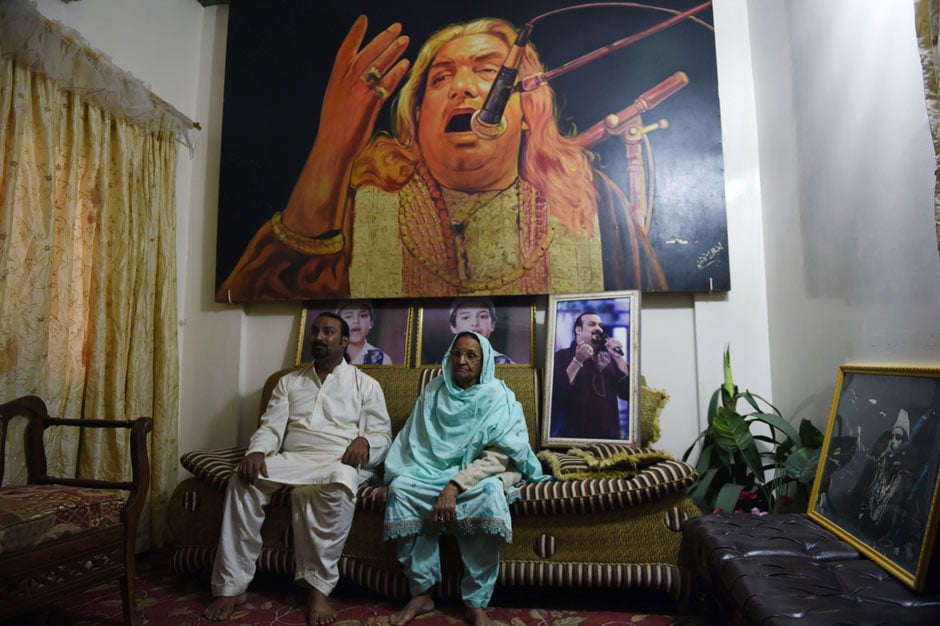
{"x": 88, "y": 304}
{"x": 927, "y": 22}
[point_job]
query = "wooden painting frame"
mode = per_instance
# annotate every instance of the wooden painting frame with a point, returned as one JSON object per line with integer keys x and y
{"x": 591, "y": 388}
{"x": 879, "y": 473}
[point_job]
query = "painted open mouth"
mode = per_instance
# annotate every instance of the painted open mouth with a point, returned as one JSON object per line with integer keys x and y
{"x": 459, "y": 123}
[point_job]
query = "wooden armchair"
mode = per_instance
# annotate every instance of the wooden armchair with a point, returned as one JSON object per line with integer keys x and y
{"x": 59, "y": 536}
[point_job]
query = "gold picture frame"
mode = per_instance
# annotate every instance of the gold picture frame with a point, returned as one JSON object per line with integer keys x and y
{"x": 589, "y": 398}
{"x": 387, "y": 340}
{"x": 877, "y": 482}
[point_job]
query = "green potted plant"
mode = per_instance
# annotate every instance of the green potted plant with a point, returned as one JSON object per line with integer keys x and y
{"x": 753, "y": 460}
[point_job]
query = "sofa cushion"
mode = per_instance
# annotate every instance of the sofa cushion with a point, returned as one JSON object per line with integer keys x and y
{"x": 652, "y": 403}
{"x": 34, "y": 514}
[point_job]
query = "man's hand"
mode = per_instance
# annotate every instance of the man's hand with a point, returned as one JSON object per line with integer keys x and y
{"x": 251, "y": 466}
{"x": 583, "y": 352}
{"x": 357, "y": 453}
{"x": 445, "y": 510}
{"x": 616, "y": 351}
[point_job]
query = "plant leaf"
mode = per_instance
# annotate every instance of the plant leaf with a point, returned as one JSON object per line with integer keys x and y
{"x": 688, "y": 451}
{"x": 699, "y": 489}
{"x": 727, "y": 499}
{"x": 734, "y": 437}
{"x": 802, "y": 465}
{"x": 713, "y": 406}
{"x": 752, "y": 399}
{"x": 728, "y": 389}
{"x": 812, "y": 437}
{"x": 782, "y": 425}
{"x": 730, "y": 431}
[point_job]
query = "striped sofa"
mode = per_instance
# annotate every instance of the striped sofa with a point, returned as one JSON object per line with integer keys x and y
{"x": 619, "y": 530}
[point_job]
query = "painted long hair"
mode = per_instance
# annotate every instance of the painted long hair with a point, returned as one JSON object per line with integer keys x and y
{"x": 556, "y": 165}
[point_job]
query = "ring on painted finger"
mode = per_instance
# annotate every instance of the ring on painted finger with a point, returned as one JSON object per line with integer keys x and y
{"x": 371, "y": 75}
{"x": 381, "y": 92}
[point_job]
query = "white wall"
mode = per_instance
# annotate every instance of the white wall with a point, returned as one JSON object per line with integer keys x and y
{"x": 847, "y": 178}
{"x": 178, "y": 48}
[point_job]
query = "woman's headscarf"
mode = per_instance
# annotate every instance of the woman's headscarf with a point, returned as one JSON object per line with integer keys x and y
{"x": 450, "y": 426}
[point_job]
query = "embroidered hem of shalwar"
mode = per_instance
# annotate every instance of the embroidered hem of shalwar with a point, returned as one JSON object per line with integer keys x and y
{"x": 474, "y": 526}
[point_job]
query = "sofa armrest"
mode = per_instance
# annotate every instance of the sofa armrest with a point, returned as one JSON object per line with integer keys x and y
{"x": 213, "y": 466}
{"x": 560, "y": 497}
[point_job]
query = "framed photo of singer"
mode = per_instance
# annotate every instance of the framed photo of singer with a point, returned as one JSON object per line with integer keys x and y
{"x": 592, "y": 371}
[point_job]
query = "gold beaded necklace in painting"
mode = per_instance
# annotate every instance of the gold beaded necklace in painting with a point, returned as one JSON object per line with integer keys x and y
{"x": 426, "y": 231}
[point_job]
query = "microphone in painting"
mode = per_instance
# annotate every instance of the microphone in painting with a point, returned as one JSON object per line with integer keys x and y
{"x": 488, "y": 122}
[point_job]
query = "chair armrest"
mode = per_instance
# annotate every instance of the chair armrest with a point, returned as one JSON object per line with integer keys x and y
{"x": 34, "y": 409}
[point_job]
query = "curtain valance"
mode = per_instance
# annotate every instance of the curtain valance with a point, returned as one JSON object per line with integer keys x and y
{"x": 51, "y": 49}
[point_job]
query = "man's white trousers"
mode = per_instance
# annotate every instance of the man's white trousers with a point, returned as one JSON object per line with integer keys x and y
{"x": 321, "y": 516}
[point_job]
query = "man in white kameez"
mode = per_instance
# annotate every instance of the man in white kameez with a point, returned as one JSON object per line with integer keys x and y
{"x": 325, "y": 430}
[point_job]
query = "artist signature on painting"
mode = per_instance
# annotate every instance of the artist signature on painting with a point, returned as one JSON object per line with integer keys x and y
{"x": 706, "y": 259}
{"x": 710, "y": 256}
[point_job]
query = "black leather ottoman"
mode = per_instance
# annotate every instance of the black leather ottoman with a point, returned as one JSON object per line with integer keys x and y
{"x": 773, "y": 570}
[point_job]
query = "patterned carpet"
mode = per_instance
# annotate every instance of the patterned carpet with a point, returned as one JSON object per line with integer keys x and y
{"x": 169, "y": 599}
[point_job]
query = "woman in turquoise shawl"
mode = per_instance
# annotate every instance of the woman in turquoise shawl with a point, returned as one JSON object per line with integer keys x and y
{"x": 453, "y": 468}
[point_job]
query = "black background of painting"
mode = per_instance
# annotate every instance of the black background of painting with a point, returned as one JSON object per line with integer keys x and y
{"x": 279, "y": 56}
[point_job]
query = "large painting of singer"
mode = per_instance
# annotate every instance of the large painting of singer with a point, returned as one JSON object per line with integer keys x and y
{"x": 518, "y": 158}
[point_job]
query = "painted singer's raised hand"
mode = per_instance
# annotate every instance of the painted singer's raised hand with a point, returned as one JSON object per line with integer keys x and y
{"x": 362, "y": 79}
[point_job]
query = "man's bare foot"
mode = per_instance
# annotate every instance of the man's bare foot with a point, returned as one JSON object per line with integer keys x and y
{"x": 477, "y": 616}
{"x": 319, "y": 609}
{"x": 416, "y": 606}
{"x": 222, "y": 606}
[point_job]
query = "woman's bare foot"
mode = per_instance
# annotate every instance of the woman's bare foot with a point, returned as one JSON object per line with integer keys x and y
{"x": 222, "y": 606}
{"x": 477, "y": 616}
{"x": 319, "y": 609}
{"x": 416, "y": 606}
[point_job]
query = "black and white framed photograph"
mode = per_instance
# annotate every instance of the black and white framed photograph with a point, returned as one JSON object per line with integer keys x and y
{"x": 508, "y": 323}
{"x": 379, "y": 330}
{"x": 877, "y": 482}
{"x": 592, "y": 376}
